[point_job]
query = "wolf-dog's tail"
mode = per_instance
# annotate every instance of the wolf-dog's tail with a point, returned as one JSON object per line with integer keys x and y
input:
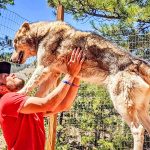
{"x": 143, "y": 69}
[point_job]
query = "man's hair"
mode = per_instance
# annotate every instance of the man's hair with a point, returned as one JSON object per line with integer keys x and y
{"x": 5, "y": 67}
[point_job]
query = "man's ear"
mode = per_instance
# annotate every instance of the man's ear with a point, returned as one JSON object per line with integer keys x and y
{"x": 25, "y": 26}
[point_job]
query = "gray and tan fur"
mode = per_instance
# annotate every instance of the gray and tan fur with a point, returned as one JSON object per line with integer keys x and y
{"x": 127, "y": 78}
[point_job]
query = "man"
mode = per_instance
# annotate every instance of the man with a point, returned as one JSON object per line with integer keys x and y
{"x": 8, "y": 77}
{"x": 12, "y": 82}
{"x": 21, "y": 116}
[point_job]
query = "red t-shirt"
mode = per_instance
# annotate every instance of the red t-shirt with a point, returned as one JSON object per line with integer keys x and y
{"x": 21, "y": 131}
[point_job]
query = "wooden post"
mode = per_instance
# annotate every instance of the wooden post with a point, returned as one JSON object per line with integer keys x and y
{"x": 51, "y": 139}
{"x": 60, "y": 12}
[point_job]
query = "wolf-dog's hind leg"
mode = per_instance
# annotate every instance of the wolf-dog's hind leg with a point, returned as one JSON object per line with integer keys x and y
{"x": 124, "y": 92}
{"x": 138, "y": 136}
{"x": 136, "y": 128}
{"x": 130, "y": 117}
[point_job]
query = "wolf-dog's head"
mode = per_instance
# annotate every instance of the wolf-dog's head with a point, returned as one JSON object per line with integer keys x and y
{"x": 24, "y": 44}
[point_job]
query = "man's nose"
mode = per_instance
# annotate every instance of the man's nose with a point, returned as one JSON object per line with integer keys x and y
{"x": 14, "y": 60}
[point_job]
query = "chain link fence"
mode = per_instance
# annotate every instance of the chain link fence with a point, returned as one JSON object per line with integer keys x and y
{"x": 92, "y": 123}
{"x": 10, "y": 22}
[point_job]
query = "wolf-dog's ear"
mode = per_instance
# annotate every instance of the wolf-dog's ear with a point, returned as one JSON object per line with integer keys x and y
{"x": 25, "y": 26}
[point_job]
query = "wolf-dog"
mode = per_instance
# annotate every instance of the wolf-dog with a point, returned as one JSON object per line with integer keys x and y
{"x": 126, "y": 77}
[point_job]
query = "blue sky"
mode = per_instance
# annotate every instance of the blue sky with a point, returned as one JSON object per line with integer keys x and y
{"x": 32, "y": 10}
{"x": 38, "y": 10}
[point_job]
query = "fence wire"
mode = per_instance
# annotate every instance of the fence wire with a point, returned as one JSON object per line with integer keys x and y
{"x": 10, "y": 22}
{"x": 92, "y": 123}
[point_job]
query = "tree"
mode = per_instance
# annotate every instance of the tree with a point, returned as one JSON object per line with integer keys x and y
{"x": 114, "y": 16}
{"x": 3, "y": 3}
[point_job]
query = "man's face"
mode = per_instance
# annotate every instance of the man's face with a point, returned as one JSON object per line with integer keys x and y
{"x": 12, "y": 81}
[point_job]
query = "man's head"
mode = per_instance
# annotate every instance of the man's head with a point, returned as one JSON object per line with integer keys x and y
{"x": 14, "y": 83}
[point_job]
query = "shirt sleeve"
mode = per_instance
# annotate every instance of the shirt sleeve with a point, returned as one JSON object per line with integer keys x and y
{"x": 11, "y": 103}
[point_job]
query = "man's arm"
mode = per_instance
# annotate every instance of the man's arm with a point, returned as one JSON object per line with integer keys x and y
{"x": 69, "y": 98}
{"x": 50, "y": 102}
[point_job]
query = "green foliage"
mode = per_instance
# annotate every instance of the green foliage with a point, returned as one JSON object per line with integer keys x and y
{"x": 3, "y": 3}
{"x": 123, "y": 13}
{"x": 120, "y": 21}
{"x": 105, "y": 145}
{"x": 92, "y": 123}
{"x": 5, "y": 56}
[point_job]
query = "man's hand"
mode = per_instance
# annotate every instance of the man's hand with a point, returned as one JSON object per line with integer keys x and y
{"x": 75, "y": 62}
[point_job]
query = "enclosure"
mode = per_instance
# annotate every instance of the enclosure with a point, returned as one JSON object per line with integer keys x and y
{"x": 92, "y": 123}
